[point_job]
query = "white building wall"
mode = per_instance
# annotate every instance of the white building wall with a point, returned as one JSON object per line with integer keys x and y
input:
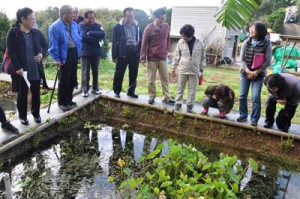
{"x": 205, "y": 24}
{"x": 201, "y": 17}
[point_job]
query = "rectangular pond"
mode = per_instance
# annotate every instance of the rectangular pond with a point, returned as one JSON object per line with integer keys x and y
{"x": 79, "y": 165}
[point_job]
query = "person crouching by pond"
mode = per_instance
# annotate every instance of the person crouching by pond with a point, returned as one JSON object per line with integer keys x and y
{"x": 218, "y": 96}
{"x": 253, "y": 74}
{"x": 189, "y": 56}
{"x": 26, "y": 48}
{"x": 284, "y": 89}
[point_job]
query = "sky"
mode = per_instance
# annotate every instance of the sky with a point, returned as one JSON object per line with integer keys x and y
{"x": 10, "y": 7}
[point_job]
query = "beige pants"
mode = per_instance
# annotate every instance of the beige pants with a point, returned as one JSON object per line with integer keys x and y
{"x": 162, "y": 68}
{"x": 192, "y": 81}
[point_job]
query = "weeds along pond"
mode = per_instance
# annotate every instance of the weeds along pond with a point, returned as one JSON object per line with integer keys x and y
{"x": 95, "y": 160}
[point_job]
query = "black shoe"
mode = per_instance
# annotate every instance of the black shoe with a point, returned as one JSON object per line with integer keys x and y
{"x": 9, "y": 127}
{"x": 241, "y": 119}
{"x": 65, "y": 107}
{"x": 24, "y": 121}
{"x": 268, "y": 124}
{"x": 37, "y": 119}
{"x": 169, "y": 101}
{"x": 253, "y": 124}
{"x": 117, "y": 95}
{"x": 73, "y": 104}
{"x": 132, "y": 95}
{"x": 286, "y": 130}
{"x": 151, "y": 100}
{"x": 189, "y": 108}
{"x": 177, "y": 107}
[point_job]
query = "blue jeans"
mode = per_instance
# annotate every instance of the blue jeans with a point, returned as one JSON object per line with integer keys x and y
{"x": 256, "y": 101}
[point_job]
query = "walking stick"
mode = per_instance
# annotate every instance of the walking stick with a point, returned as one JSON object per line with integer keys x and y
{"x": 52, "y": 91}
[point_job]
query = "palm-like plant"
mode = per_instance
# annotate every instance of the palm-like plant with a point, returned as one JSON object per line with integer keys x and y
{"x": 233, "y": 13}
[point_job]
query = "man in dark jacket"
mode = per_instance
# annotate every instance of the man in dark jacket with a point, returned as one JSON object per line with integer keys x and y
{"x": 90, "y": 53}
{"x": 126, "y": 47}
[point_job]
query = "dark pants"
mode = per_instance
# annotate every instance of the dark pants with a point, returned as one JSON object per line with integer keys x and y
{"x": 2, "y": 117}
{"x": 35, "y": 98}
{"x": 86, "y": 64}
{"x": 67, "y": 78}
{"x": 132, "y": 60}
{"x": 271, "y": 109}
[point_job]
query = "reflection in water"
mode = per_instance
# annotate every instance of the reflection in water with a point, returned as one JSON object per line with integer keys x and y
{"x": 79, "y": 166}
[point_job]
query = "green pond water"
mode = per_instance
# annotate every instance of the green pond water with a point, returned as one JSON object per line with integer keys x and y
{"x": 78, "y": 166}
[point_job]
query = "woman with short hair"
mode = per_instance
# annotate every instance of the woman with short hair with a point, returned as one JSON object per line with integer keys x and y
{"x": 284, "y": 89}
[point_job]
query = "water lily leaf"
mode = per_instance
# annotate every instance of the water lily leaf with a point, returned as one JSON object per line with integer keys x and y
{"x": 235, "y": 187}
{"x": 132, "y": 183}
{"x": 166, "y": 184}
{"x": 253, "y": 164}
{"x": 123, "y": 184}
{"x": 149, "y": 176}
{"x": 127, "y": 171}
{"x": 206, "y": 166}
{"x": 156, "y": 190}
{"x": 110, "y": 179}
{"x": 153, "y": 154}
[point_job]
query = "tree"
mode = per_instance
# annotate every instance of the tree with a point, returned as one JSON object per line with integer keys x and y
{"x": 234, "y": 13}
{"x": 169, "y": 16}
{"x": 5, "y": 25}
{"x": 45, "y": 18}
{"x": 142, "y": 18}
{"x": 275, "y": 20}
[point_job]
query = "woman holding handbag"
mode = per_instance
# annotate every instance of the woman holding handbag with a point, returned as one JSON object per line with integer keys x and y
{"x": 26, "y": 47}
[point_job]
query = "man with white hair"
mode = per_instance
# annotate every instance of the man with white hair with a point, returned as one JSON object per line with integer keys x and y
{"x": 65, "y": 46}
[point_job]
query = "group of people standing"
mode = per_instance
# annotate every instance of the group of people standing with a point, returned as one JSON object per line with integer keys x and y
{"x": 72, "y": 37}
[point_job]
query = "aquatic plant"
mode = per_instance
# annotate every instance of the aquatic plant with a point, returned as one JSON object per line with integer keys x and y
{"x": 185, "y": 173}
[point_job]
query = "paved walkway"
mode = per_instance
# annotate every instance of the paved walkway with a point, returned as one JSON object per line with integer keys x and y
{"x": 55, "y": 112}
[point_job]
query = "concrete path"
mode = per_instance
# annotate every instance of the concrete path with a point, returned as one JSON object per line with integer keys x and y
{"x": 55, "y": 112}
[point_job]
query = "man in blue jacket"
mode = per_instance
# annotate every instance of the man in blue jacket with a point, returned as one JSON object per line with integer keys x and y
{"x": 65, "y": 46}
{"x": 90, "y": 53}
{"x": 126, "y": 45}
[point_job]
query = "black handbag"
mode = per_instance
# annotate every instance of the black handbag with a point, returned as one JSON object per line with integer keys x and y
{"x": 282, "y": 119}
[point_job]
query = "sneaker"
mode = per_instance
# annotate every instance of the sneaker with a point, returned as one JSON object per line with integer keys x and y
{"x": 132, "y": 95}
{"x": 117, "y": 95}
{"x": 65, "y": 107}
{"x": 96, "y": 92}
{"x": 241, "y": 119}
{"x": 204, "y": 111}
{"x": 151, "y": 100}
{"x": 169, "y": 101}
{"x": 9, "y": 127}
{"x": 24, "y": 121}
{"x": 177, "y": 107}
{"x": 37, "y": 119}
{"x": 268, "y": 124}
{"x": 189, "y": 108}
{"x": 222, "y": 115}
{"x": 85, "y": 94}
